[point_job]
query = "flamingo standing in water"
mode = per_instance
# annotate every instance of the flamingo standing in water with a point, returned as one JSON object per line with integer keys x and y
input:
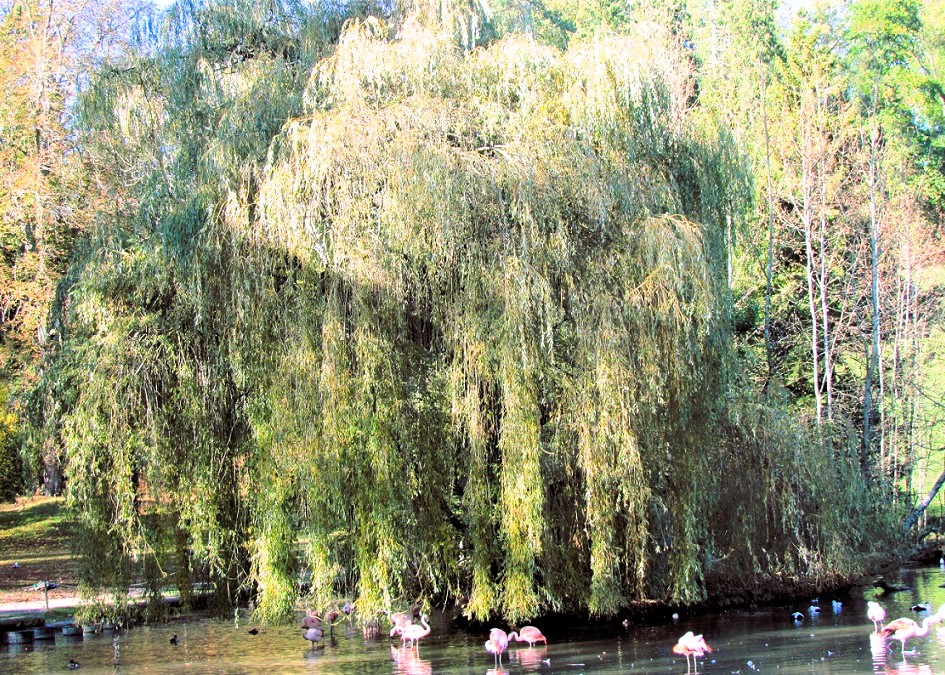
{"x": 528, "y": 634}
{"x": 413, "y": 632}
{"x": 905, "y": 629}
{"x": 691, "y": 645}
{"x": 312, "y": 627}
{"x": 497, "y": 643}
{"x": 400, "y": 621}
{"x": 876, "y": 614}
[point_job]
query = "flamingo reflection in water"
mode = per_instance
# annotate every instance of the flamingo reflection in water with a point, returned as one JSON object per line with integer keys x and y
{"x": 904, "y": 668}
{"x": 880, "y": 652}
{"x": 408, "y": 662}
{"x": 529, "y": 658}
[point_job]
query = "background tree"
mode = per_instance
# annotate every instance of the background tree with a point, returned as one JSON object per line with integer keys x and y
{"x": 896, "y": 94}
{"x": 47, "y": 200}
{"x": 809, "y": 171}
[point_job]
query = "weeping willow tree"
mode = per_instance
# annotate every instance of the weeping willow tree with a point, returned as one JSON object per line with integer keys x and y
{"x": 425, "y": 321}
{"x": 522, "y": 252}
{"x": 147, "y": 395}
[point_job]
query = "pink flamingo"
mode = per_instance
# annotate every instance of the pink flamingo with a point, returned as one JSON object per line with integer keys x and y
{"x": 876, "y": 614}
{"x": 691, "y": 645}
{"x": 906, "y": 629}
{"x": 413, "y": 632}
{"x": 312, "y": 627}
{"x": 497, "y": 643}
{"x": 528, "y": 634}
{"x": 400, "y": 621}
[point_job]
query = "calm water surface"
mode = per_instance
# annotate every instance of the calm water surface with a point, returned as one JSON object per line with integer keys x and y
{"x": 747, "y": 642}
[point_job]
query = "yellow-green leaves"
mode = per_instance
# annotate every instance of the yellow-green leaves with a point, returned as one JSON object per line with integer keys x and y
{"x": 462, "y": 332}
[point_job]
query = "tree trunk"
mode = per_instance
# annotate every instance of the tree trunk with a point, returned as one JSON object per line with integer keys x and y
{"x": 769, "y": 267}
{"x": 807, "y": 179}
{"x": 872, "y": 367}
{"x": 924, "y": 504}
{"x": 825, "y": 320}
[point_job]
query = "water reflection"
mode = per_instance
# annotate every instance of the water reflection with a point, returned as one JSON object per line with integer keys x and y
{"x": 766, "y": 638}
{"x": 528, "y": 657}
{"x": 406, "y": 660}
{"x": 910, "y": 668}
{"x": 878, "y": 651}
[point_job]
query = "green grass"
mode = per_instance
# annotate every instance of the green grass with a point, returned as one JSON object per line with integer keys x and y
{"x": 36, "y": 534}
{"x": 39, "y": 524}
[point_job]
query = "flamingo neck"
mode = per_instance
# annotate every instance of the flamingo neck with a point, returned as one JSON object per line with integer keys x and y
{"x": 925, "y": 624}
{"x": 513, "y": 636}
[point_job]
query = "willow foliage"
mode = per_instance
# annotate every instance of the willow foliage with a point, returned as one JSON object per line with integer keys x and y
{"x": 457, "y": 329}
{"x": 147, "y": 395}
{"x": 541, "y": 236}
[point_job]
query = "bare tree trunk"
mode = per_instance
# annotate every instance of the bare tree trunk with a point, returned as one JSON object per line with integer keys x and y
{"x": 873, "y": 363}
{"x": 825, "y": 322}
{"x": 769, "y": 267}
{"x": 914, "y": 393}
{"x": 924, "y": 504}
{"x": 807, "y": 207}
{"x": 898, "y": 378}
{"x": 825, "y": 155}
{"x": 812, "y": 307}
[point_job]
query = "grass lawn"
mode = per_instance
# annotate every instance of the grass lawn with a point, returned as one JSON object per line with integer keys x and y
{"x": 35, "y": 532}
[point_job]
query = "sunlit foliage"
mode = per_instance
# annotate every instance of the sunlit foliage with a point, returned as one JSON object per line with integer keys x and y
{"x": 423, "y": 321}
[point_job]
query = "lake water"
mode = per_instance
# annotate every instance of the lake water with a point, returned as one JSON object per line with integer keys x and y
{"x": 763, "y": 640}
